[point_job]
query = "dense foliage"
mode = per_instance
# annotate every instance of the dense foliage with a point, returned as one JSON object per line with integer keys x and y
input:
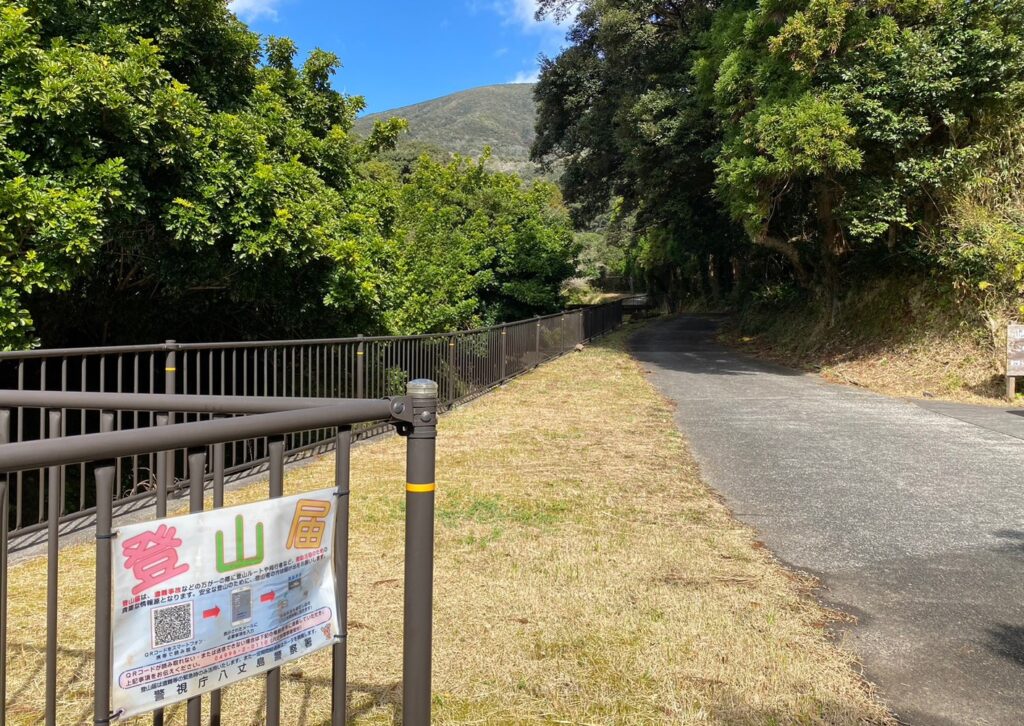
{"x": 477, "y": 248}
{"x": 165, "y": 173}
{"x": 837, "y": 135}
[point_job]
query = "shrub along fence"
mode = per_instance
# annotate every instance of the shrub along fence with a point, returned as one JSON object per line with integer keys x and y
{"x": 464, "y": 364}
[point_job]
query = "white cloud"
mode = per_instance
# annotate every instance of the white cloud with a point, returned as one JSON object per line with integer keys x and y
{"x": 523, "y": 13}
{"x": 251, "y": 9}
{"x": 526, "y": 76}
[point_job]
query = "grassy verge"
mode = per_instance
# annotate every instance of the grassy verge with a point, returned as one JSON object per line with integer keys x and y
{"x": 896, "y": 337}
{"x": 584, "y": 575}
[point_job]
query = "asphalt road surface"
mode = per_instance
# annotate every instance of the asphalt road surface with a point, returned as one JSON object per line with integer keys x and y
{"x": 911, "y": 514}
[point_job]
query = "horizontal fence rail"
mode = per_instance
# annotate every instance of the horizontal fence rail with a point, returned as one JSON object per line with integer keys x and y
{"x": 206, "y": 443}
{"x": 464, "y": 364}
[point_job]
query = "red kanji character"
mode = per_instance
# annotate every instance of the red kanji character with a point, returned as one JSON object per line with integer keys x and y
{"x": 153, "y": 557}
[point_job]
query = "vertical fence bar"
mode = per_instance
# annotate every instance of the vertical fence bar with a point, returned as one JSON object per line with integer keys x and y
{"x": 104, "y": 568}
{"x": 218, "y": 502}
{"x": 276, "y": 446}
{"x": 360, "y": 369}
{"x": 196, "y": 473}
{"x": 5, "y": 437}
{"x": 104, "y": 509}
{"x": 452, "y": 395}
{"x": 339, "y": 653}
{"x": 164, "y": 477}
{"x": 419, "y": 554}
{"x": 52, "y": 546}
{"x": 162, "y": 466}
{"x": 536, "y": 345}
{"x": 504, "y": 350}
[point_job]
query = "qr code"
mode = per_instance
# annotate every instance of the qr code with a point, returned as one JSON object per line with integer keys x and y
{"x": 172, "y": 624}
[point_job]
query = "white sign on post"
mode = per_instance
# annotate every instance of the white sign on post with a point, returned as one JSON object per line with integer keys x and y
{"x": 1015, "y": 350}
{"x": 210, "y": 599}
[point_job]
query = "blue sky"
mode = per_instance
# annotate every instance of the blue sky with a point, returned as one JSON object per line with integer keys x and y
{"x": 405, "y": 51}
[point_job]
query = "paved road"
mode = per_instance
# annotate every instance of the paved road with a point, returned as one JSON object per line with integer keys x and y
{"x": 912, "y": 515}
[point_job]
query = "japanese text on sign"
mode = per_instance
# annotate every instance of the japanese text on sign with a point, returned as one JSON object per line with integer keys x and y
{"x": 209, "y": 599}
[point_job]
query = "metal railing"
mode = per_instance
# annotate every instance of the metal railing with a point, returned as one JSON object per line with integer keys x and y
{"x": 206, "y": 444}
{"x": 464, "y": 364}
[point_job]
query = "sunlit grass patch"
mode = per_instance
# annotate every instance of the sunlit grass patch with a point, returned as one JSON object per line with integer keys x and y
{"x": 584, "y": 574}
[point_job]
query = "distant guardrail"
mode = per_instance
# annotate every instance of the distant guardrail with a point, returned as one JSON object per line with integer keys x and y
{"x": 464, "y": 363}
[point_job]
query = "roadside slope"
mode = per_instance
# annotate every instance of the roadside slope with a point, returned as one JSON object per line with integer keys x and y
{"x": 584, "y": 574}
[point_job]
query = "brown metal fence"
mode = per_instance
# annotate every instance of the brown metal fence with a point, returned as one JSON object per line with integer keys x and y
{"x": 268, "y": 419}
{"x": 464, "y": 364}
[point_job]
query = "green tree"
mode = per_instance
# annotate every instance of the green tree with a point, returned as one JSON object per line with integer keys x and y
{"x": 622, "y": 108}
{"x": 828, "y": 131}
{"x": 158, "y": 181}
{"x": 476, "y": 247}
{"x": 845, "y": 123}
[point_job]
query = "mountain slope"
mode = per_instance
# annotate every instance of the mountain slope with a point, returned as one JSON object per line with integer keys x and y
{"x": 501, "y": 117}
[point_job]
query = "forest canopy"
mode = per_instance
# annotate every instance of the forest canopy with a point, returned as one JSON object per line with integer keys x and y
{"x": 803, "y": 143}
{"x": 167, "y": 173}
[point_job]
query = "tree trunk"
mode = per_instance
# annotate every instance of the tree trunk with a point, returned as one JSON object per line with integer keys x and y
{"x": 833, "y": 245}
{"x": 789, "y": 251}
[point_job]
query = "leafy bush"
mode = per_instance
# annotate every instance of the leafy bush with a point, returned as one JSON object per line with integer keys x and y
{"x": 165, "y": 174}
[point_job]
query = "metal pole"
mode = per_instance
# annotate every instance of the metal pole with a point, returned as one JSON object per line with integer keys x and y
{"x": 196, "y": 472}
{"x": 163, "y": 462}
{"x": 52, "y": 557}
{"x": 276, "y": 447}
{"x": 5, "y": 437}
{"x": 339, "y": 653}
{"x": 218, "y": 502}
{"x": 419, "y": 553}
{"x": 105, "y": 476}
{"x": 360, "y": 369}
{"x": 104, "y": 561}
{"x": 451, "y": 372}
{"x": 504, "y": 351}
{"x": 537, "y": 343}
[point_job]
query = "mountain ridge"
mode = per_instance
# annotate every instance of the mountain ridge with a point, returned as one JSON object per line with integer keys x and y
{"x": 501, "y": 117}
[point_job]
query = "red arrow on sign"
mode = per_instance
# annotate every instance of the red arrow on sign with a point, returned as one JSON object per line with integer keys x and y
{"x": 212, "y": 613}
{"x": 267, "y": 596}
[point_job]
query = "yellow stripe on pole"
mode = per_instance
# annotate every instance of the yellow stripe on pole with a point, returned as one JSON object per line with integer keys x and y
{"x": 419, "y": 488}
{"x": 170, "y": 370}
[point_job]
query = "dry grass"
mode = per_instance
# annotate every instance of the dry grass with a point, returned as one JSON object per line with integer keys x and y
{"x": 952, "y": 368}
{"x": 584, "y": 575}
{"x": 898, "y": 336}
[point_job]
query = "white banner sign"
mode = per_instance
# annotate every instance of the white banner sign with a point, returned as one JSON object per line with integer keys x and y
{"x": 209, "y": 599}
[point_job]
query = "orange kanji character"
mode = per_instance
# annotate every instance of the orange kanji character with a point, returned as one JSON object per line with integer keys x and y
{"x": 153, "y": 557}
{"x": 308, "y": 525}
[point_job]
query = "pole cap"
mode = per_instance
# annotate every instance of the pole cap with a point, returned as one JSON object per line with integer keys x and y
{"x": 421, "y": 388}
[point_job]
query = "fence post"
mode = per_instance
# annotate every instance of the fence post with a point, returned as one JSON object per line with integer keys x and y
{"x": 196, "y": 476}
{"x": 52, "y": 556}
{"x": 5, "y": 437}
{"x": 537, "y": 339}
{"x": 164, "y": 461}
{"x": 101, "y": 675}
{"x": 169, "y": 457}
{"x": 339, "y": 653}
{"x": 360, "y": 370}
{"x": 419, "y": 553}
{"x": 504, "y": 350}
{"x": 276, "y": 489}
{"x": 104, "y": 562}
{"x": 451, "y": 371}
